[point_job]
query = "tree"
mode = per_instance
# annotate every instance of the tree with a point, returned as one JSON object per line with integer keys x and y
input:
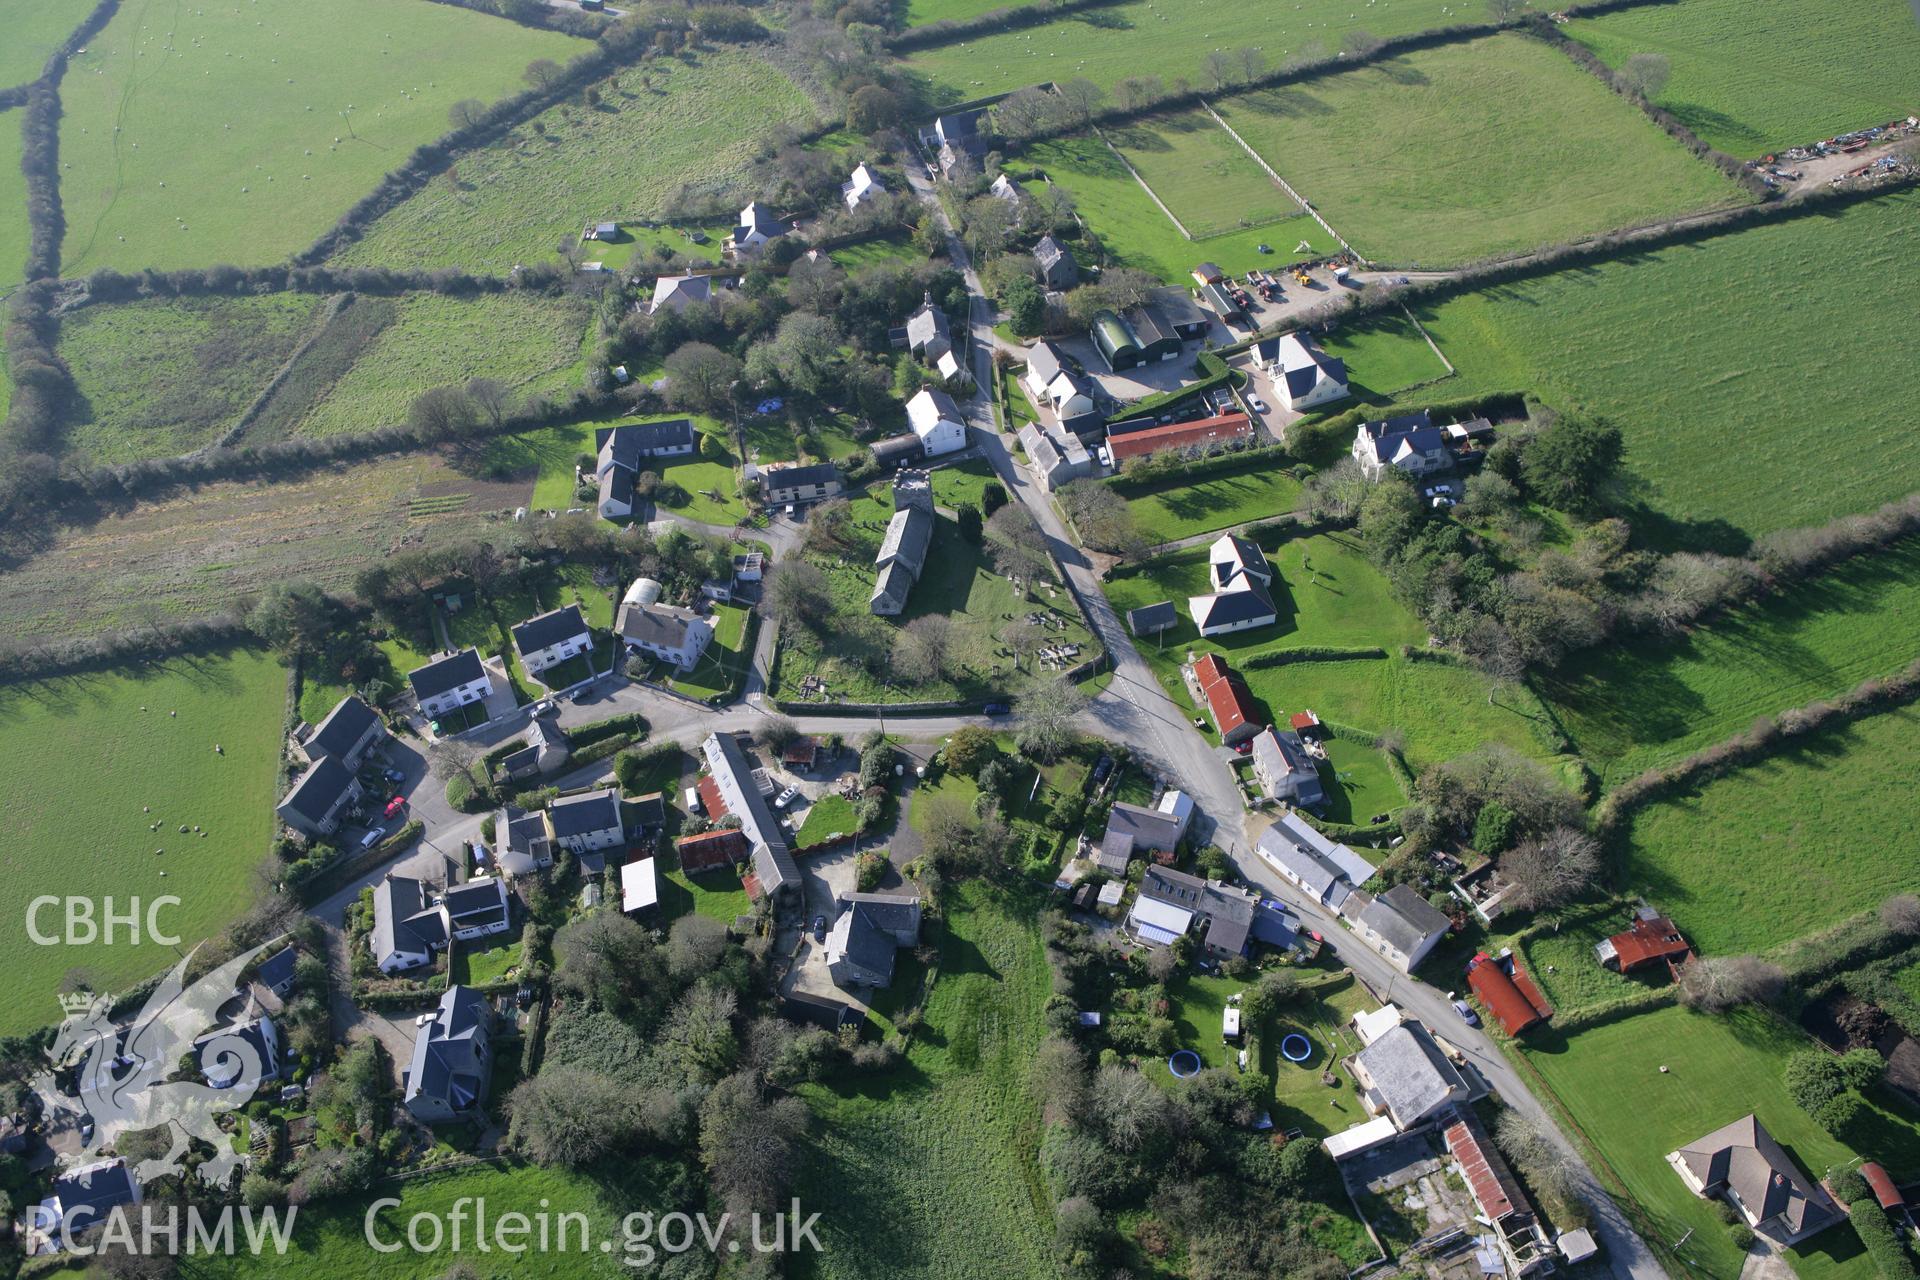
{"x": 970, "y": 747}
{"x": 608, "y": 959}
{"x": 1275, "y": 989}
{"x": 1715, "y": 984}
{"x": 1080, "y": 96}
{"x": 1337, "y": 492}
{"x": 1024, "y": 639}
{"x": 972, "y": 528}
{"x": 701, "y": 376}
{"x": 990, "y": 224}
{"x": 748, "y": 1143}
{"x": 803, "y": 354}
{"x": 698, "y": 1034}
{"x": 1645, "y": 74}
{"x": 542, "y": 73}
{"x": 872, "y": 108}
{"x": 1104, "y": 519}
{"x": 797, "y": 593}
{"x": 570, "y": 1117}
{"x": 1493, "y": 829}
{"x": 1046, "y": 717}
{"x": 466, "y": 113}
{"x": 1020, "y": 545}
{"x": 922, "y": 649}
{"x": 1361, "y": 43}
{"x": 442, "y": 413}
{"x": 1026, "y": 307}
{"x": 992, "y": 497}
{"x": 1901, "y": 914}
{"x": 1552, "y": 870}
{"x": 1218, "y": 67}
{"x": 294, "y": 618}
{"x": 492, "y": 398}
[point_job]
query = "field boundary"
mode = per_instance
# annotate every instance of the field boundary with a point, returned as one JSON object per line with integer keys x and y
{"x": 231, "y": 436}
{"x": 1134, "y": 173}
{"x": 1285, "y": 186}
{"x": 1422, "y": 331}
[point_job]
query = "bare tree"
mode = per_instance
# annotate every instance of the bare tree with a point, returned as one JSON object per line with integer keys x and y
{"x": 1253, "y": 63}
{"x": 1715, "y": 984}
{"x": 1338, "y": 491}
{"x": 1361, "y": 44}
{"x": 1046, "y": 717}
{"x": 921, "y": 650}
{"x": 1901, "y": 913}
{"x": 1505, "y": 10}
{"x": 797, "y": 593}
{"x": 1019, "y": 544}
{"x": 1552, "y": 870}
{"x": 541, "y": 73}
{"x": 466, "y": 112}
{"x": 776, "y": 734}
{"x": 1218, "y": 69}
{"x": 1080, "y": 96}
{"x": 1024, "y": 639}
{"x": 1645, "y": 74}
{"x": 492, "y": 397}
{"x": 694, "y": 946}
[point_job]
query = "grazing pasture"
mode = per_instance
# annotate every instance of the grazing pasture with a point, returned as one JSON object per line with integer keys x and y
{"x": 1636, "y": 705}
{"x": 1722, "y": 441}
{"x": 35, "y": 28}
{"x": 1813, "y": 833}
{"x": 1753, "y": 76}
{"x": 528, "y": 341}
{"x": 13, "y": 205}
{"x": 1467, "y": 151}
{"x": 1166, "y": 510}
{"x": 1209, "y": 181}
{"x": 920, "y": 11}
{"x": 1640, "y": 1087}
{"x": 1166, "y": 38}
{"x": 1137, "y": 234}
{"x": 943, "y": 1148}
{"x": 239, "y": 133}
{"x": 91, "y": 763}
{"x": 694, "y": 121}
{"x": 1385, "y": 356}
{"x": 165, "y": 377}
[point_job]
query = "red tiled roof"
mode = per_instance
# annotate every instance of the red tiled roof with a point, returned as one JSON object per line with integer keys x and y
{"x": 1303, "y": 720}
{"x": 1501, "y": 996}
{"x": 711, "y": 849}
{"x": 1180, "y": 435}
{"x": 1231, "y": 704}
{"x": 1208, "y": 668}
{"x": 802, "y": 752}
{"x": 710, "y": 798}
{"x": 1647, "y": 941}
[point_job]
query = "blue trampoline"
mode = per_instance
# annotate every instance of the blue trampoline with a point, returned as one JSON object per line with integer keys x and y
{"x": 1295, "y": 1047}
{"x": 1185, "y": 1064}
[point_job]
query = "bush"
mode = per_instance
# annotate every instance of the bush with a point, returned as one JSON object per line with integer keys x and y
{"x": 1889, "y": 1255}
{"x": 1742, "y": 1236}
{"x": 870, "y": 868}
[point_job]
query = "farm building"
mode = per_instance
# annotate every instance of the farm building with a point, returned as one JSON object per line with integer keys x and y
{"x": 814, "y": 482}
{"x": 551, "y": 638}
{"x": 1304, "y": 376}
{"x": 937, "y": 422}
{"x": 1523, "y": 1241}
{"x": 1741, "y": 1163}
{"x": 710, "y": 850}
{"x": 1507, "y": 992}
{"x": 736, "y": 790}
{"x": 1148, "y": 333}
{"x": 1410, "y": 442}
{"x": 1228, "y": 700}
{"x": 1652, "y": 939}
{"x": 1203, "y": 433}
{"x": 1152, "y": 619}
{"x": 1285, "y": 771}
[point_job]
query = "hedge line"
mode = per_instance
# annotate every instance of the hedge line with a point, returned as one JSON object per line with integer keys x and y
{"x": 1310, "y": 653}
{"x": 1011, "y": 18}
{"x": 1229, "y": 460}
{"x": 1871, "y": 1224}
{"x": 1641, "y": 1000}
{"x": 124, "y": 648}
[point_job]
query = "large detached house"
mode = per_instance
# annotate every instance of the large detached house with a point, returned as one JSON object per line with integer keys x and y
{"x": 347, "y": 733}
{"x": 1242, "y": 579}
{"x": 319, "y": 798}
{"x": 667, "y": 632}
{"x": 811, "y": 483}
{"x": 1285, "y": 771}
{"x": 757, "y": 228}
{"x": 871, "y": 927}
{"x": 623, "y": 452}
{"x": 1743, "y": 1165}
{"x": 1409, "y": 442}
{"x": 937, "y": 422}
{"x": 1402, "y": 926}
{"x": 408, "y": 925}
{"x": 1304, "y": 376}
{"x": 449, "y": 682}
{"x": 1058, "y": 271}
{"x": 452, "y": 1059}
{"x": 1055, "y": 384}
{"x": 551, "y": 638}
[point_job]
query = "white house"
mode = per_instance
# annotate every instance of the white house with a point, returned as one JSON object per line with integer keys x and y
{"x": 677, "y": 293}
{"x": 863, "y": 186}
{"x": 408, "y": 925}
{"x": 1410, "y": 442}
{"x": 1241, "y": 579}
{"x": 1285, "y": 770}
{"x": 757, "y": 227}
{"x": 623, "y": 452}
{"x": 587, "y": 821}
{"x": 1050, "y": 381}
{"x": 450, "y": 681}
{"x": 1402, "y": 926}
{"x": 666, "y": 631}
{"x": 1304, "y": 376}
{"x": 551, "y": 638}
{"x": 476, "y": 909}
{"x": 936, "y": 420}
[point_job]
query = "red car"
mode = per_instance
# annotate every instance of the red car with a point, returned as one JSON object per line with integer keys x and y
{"x": 395, "y": 805}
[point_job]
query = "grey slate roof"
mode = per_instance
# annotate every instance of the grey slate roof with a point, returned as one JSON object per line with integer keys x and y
{"x": 662, "y": 625}
{"x": 634, "y": 442}
{"x": 448, "y": 1064}
{"x": 476, "y": 903}
{"x": 818, "y": 473}
{"x": 860, "y": 938}
{"x": 1149, "y": 828}
{"x": 909, "y": 534}
{"x": 1115, "y": 851}
{"x": 773, "y": 863}
{"x": 87, "y": 1194}
{"x": 1150, "y": 619}
{"x": 1045, "y": 361}
{"x": 1403, "y": 918}
{"x": 402, "y": 918}
{"x": 1413, "y": 429}
{"x": 549, "y": 629}
{"x": 319, "y": 788}
{"x": 343, "y": 726}
{"x": 1410, "y": 1073}
{"x": 588, "y": 812}
{"x": 1250, "y": 563}
{"x": 276, "y": 971}
{"x": 1743, "y": 1157}
{"x": 898, "y": 450}
{"x": 927, "y": 326}
{"x": 1164, "y": 884}
{"x": 757, "y": 217}
{"x": 1235, "y": 606}
{"x": 1230, "y": 916}
{"x": 1281, "y": 754}
{"x": 444, "y": 673}
{"x": 897, "y": 913}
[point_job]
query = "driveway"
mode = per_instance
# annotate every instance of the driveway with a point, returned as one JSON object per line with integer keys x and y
{"x": 824, "y": 878}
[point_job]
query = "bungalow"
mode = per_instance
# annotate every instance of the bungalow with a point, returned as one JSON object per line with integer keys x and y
{"x": 1742, "y": 1164}
{"x": 667, "y": 632}
{"x": 449, "y": 682}
{"x": 1058, "y": 271}
{"x": 862, "y": 186}
{"x": 1304, "y": 376}
{"x": 551, "y": 638}
{"x": 476, "y": 909}
{"x": 736, "y": 791}
{"x": 1402, "y": 1075}
{"x": 586, "y": 822}
{"x": 240, "y": 1056}
{"x": 319, "y": 798}
{"x": 937, "y": 422}
{"x": 757, "y": 228}
{"x": 1652, "y": 939}
{"x": 903, "y": 555}
{"x": 1402, "y": 926}
{"x": 452, "y": 1061}
{"x": 1126, "y": 441}
{"x": 1410, "y": 442}
{"x": 1153, "y": 619}
{"x": 815, "y": 482}
{"x": 870, "y": 928}
{"x": 639, "y": 887}
{"x": 622, "y": 452}
{"x": 1285, "y": 771}
{"x": 347, "y": 733}
{"x": 82, "y": 1198}
{"x": 677, "y": 293}
{"x": 891, "y": 453}
{"x": 1241, "y": 578}
{"x": 1326, "y": 872}
{"x": 408, "y": 925}
{"x": 1228, "y": 699}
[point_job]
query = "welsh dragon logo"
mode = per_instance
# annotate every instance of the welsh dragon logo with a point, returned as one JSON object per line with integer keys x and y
{"x": 122, "y": 1081}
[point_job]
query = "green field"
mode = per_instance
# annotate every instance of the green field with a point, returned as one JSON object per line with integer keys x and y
{"x": 866, "y": 253}
{"x": 1384, "y": 356}
{"x": 1167, "y": 40}
{"x": 919, "y": 11}
{"x": 1209, "y": 181}
{"x": 159, "y": 378}
{"x": 698, "y": 124}
{"x": 942, "y": 1148}
{"x": 1169, "y": 509}
{"x": 85, "y": 772}
{"x": 35, "y": 28}
{"x": 1643, "y": 1086}
{"x": 528, "y": 341}
{"x": 1631, "y": 706}
{"x": 1137, "y": 234}
{"x": 1781, "y": 848}
{"x": 1467, "y": 151}
{"x": 1720, "y": 436}
{"x": 240, "y": 133}
{"x": 1751, "y": 76}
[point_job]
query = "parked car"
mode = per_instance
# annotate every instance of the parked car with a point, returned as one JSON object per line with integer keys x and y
{"x": 373, "y": 837}
{"x": 1259, "y": 405}
{"x": 394, "y": 806}
{"x": 1467, "y": 1015}
{"x": 997, "y": 709}
{"x": 393, "y": 775}
{"x": 1101, "y": 768}
{"x": 786, "y": 797}
{"x": 820, "y": 928}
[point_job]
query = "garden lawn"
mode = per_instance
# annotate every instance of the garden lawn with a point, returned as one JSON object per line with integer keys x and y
{"x": 962, "y": 484}
{"x": 1812, "y": 834}
{"x": 330, "y": 1239}
{"x": 241, "y": 133}
{"x": 829, "y": 816}
{"x": 674, "y": 122}
{"x": 1137, "y": 234}
{"x": 1636, "y": 705}
{"x": 724, "y": 665}
{"x": 480, "y": 962}
{"x": 943, "y": 1147}
{"x": 85, "y": 772}
{"x": 1560, "y": 957}
{"x": 529, "y": 342}
{"x": 1752, "y": 76}
{"x": 1461, "y": 152}
{"x": 1167, "y": 40}
{"x": 1384, "y": 356}
{"x": 1711, "y": 394}
{"x": 1610, "y": 1079}
{"x": 1174, "y": 508}
{"x": 1358, "y": 782}
{"x": 717, "y": 894}
{"x": 1196, "y": 168}
{"x": 865, "y": 253}
{"x": 159, "y": 378}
